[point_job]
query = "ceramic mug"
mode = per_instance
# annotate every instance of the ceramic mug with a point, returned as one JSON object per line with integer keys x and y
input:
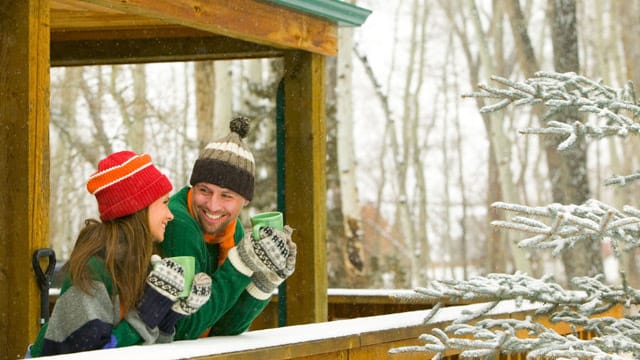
{"x": 273, "y": 219}
{"x": 188, "y": 264}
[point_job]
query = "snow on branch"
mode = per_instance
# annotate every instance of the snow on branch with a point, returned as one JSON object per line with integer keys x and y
{"x": 569, "y": 224}
{"x": 617, "y": 109}
{"x": 489, "y": 338}
{"x": 557, "y": 226}
{"x": 578, "y": 308}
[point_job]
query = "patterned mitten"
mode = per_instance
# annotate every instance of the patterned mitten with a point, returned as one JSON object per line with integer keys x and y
{"x": 266, "y": 281}
{"x": 200, "y": 293}
{"x": 267, "y": 254}
{"x": 164, "y": 283}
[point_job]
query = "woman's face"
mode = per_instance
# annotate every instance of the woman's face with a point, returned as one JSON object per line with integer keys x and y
{"x": 159, "y": 216}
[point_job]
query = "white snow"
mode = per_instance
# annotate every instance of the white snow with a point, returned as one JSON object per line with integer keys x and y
{"x": 286, "y": 336}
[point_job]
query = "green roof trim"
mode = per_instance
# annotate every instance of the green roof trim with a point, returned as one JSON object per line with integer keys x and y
{"x": 341, "y": 12}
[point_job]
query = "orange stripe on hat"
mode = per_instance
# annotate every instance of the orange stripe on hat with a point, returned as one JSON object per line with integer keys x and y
{"x": 126, "y": 183}
{"x": 103, "y": 179}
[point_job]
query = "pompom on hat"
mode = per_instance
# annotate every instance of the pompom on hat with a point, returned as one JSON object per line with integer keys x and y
{"x": 125, "y": 183}
{"x": 227, "y": 162}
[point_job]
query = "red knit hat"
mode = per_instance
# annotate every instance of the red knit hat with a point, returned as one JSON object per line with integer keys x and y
{"x": 126, "y": 183}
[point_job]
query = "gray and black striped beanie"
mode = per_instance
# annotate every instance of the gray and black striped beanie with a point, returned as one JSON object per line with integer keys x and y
{"x": 227, "y": 162}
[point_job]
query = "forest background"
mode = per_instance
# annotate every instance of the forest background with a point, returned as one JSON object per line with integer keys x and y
{"x": 412, "y": 165}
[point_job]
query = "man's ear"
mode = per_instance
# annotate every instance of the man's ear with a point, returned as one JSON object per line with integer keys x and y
{"x": 246, "y": 202}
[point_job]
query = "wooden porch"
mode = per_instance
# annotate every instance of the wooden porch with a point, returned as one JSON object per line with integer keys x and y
{"x": 38, "y": 34}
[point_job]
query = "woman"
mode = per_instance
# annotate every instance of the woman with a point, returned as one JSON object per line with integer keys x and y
{"x": 111, "y": 296}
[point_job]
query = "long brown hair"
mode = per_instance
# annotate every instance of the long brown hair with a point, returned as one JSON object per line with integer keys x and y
{"x": 125, "y": 244}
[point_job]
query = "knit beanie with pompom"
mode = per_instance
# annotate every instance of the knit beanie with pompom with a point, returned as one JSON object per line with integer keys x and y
{"x": 227, "y": 162}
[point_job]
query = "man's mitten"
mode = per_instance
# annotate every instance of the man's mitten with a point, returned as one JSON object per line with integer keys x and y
{"x": 164, "y": 283}
{"x": 267, "y": 254}
{"x": 267, "y": 281}
{"x": 199, "y": 295}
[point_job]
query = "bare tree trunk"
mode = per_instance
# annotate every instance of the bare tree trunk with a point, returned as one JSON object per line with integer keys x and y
{"x": 404, "y": 146}
{"x": 94, "y": 102}
{"x": 500, "y": 144}
{"x": 135, "y": 130}
{"x": 183, "y": 166}
{"x": 419, "y": 149}
{"x": 570, "y": 184}
{"x": 602, "y": 66}
{"x": 461, "y": 183}
{"x": 222, "y": 98}
{"x": 446, "y": 221}
{"x": 204, "y": 76}
{"x": 626, "y": 14}
{"x": 529, "y": 64}
{"x": 63, "y": 160}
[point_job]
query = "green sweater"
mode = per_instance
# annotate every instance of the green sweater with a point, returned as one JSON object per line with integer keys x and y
{"x": 82, "y": 321}
{"x": 230, "y": 309}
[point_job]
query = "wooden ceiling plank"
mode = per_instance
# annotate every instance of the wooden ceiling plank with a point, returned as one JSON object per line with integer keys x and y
{"x": 248, "y": 20}
{"x": 130, "y": 51}
{"x": 139, "y": 32}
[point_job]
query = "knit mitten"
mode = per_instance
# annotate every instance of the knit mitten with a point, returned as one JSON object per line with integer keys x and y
{"x": 164, "y": 283}
{"x": 265, "y": 281}
{"x": 267, "y": 254}
{"x": 199, "y": 295}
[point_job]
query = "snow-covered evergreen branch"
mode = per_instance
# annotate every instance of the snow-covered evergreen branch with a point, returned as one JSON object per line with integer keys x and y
{"x": 489, "y": 338}
{"x": 553, "y": 226}
{"x": 568, "y": 224}
{"x": 616, "y": 108}
{"x": 577, "y": 308}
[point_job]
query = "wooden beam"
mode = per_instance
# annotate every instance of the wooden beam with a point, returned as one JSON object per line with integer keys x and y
{"x": 24, "y": 160}
{"x": 249, "y": 20}
{"x": 145, "y": 50}
{"x": 62, "y": 20}
{"x": 305, "y": 185}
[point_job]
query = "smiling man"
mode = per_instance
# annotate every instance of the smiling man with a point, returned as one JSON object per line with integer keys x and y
{"x": 206, "y": 226}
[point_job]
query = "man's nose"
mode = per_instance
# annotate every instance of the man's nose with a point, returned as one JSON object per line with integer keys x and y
{"x": 214, "y": 202}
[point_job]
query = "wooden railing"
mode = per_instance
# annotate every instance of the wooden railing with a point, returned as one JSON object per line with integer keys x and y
{"x": 354, "y": 303}
{"x": 349, "y": 339}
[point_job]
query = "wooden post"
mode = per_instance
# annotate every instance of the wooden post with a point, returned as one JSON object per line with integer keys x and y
{"x": 305, "y": 184}
{"x": 24, "y": 160}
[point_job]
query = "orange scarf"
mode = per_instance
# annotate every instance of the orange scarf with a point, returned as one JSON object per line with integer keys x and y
{"x": 225, "y": 239}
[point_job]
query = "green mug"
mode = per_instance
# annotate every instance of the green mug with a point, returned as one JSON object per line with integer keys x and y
{"x": 188, "y": 264}
{"x": 273, "y": 219}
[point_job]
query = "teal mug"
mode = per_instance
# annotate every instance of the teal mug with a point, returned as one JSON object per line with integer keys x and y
{"x": 273, "y": 219}
{"x": 188, "y": 264}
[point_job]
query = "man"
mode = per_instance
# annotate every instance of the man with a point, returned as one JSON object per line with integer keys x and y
{"x": 244, "y": 271}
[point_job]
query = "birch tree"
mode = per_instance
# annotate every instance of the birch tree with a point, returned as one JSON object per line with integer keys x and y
{"x": 350, "y": 202}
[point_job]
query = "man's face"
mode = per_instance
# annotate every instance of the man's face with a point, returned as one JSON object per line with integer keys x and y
{"x": 215, "y": 207}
